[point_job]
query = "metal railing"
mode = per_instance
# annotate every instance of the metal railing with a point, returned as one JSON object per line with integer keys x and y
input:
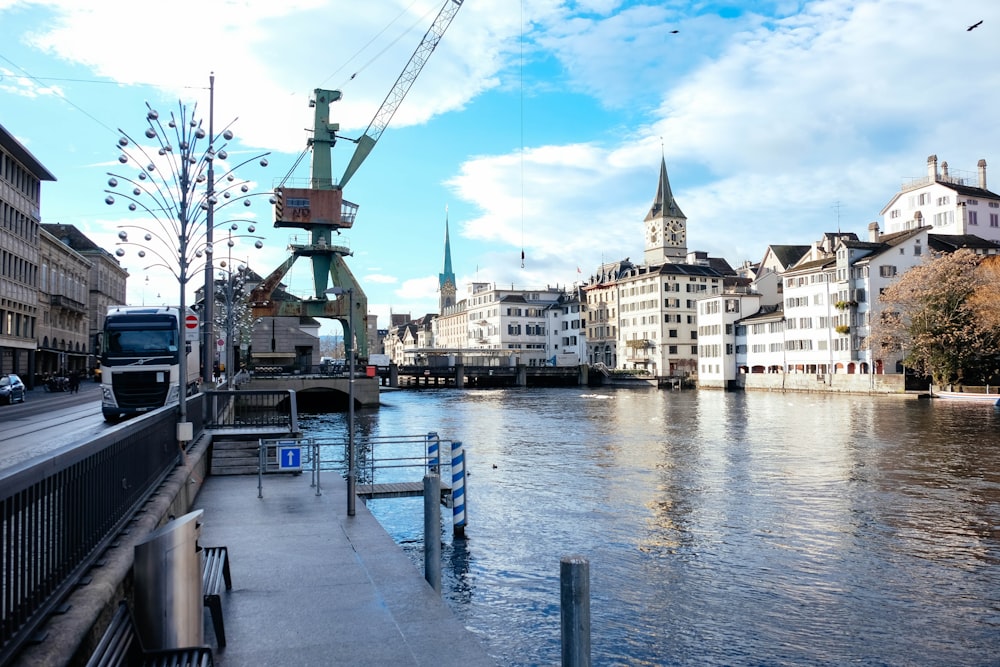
{"x": 385, "y": 459}
{"x": 251, "y": 408}
{"x": 58, "y": 515}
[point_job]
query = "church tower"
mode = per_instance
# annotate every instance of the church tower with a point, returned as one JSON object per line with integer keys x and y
{"x": 666, "y": 225}
{"x": 446, "y": 279}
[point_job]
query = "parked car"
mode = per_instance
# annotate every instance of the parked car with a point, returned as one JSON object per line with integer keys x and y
{"x": 11, "y": 389}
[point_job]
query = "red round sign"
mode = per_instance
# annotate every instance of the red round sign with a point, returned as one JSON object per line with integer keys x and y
{"x": 191, "y": 321}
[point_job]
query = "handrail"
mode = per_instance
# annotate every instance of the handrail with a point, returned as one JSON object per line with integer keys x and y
{"x": 58, "y": 515}
{"x": 241, "y": 408}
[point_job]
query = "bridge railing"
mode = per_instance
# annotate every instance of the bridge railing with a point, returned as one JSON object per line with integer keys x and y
{"x": 59, "y": 514}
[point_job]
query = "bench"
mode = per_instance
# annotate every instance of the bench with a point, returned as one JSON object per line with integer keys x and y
{"x": 120, "y": 645}
{"x": 214, "y": 575}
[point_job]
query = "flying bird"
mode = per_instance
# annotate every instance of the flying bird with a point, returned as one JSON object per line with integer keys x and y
{"x": 973, "y": 26}
{"x": 674, "y": 32}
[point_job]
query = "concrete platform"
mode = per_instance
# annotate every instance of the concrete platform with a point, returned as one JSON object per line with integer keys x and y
{"x": 312, "y": 586}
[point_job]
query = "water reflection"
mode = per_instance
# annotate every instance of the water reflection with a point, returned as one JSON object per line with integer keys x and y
{"x": 721, "y": 528}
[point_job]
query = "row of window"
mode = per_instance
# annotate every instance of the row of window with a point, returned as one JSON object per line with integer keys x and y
{"x": 22, "y": 179}
{"x": 18, "y": 224}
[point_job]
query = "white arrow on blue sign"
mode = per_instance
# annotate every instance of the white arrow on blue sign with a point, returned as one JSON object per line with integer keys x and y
{"x": 289, "y": 458}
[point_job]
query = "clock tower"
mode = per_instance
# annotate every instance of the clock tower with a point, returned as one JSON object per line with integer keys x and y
{"x": 666, "y": 225}
{"x": 446, "y": 279}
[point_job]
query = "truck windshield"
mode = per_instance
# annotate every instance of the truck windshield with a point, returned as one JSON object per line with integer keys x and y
{"x": 131, "y": 342}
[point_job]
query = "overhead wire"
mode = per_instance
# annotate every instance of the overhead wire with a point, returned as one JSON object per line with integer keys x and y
{"x": 520, "y": 74}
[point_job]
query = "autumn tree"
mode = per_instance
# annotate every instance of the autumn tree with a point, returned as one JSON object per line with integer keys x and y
{"x": 933, "y": 313}
{"x": 985, "y": 301}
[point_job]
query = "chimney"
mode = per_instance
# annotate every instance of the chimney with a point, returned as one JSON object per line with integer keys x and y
{"x": 918, "y": 218}
{"x": 873, "y": 232}
{"x": 982, "y": 174}
{"x": 932, "y": 168}
{"x": 944, "y": 172}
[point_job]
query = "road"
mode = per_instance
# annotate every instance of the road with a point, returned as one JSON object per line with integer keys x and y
{"x": 48, "y": 421}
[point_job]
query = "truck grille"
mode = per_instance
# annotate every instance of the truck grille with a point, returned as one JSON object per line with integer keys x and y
{"x": 139, "y": 390}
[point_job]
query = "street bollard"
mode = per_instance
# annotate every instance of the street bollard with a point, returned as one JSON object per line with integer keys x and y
{"x": 574, "y": 588}
{"x": 432, "y": 531}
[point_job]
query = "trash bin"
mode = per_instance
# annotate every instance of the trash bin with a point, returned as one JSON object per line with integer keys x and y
{"x": 370, "y": 371}
{"x": 167, "y": 574}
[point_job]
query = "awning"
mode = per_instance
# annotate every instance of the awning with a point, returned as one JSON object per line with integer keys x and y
{"x": 273, "y": 355}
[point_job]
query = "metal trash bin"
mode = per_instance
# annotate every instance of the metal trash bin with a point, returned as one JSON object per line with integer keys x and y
{"x": 168, "y": 596}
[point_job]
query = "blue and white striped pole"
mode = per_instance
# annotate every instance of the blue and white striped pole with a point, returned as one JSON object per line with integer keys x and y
{"x": 433, "y": 451}
{"x": 458, "y": 489}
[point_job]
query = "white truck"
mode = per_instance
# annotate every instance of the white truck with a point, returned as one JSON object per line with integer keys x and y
{"x": 142, "y": 365}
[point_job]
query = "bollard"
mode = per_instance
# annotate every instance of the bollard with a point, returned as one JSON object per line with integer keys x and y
{"x": 433, "y": 451}
{"x": 458, "y": 489}
{"x": 574, "y": 588}
{"x": 432, "y": 531}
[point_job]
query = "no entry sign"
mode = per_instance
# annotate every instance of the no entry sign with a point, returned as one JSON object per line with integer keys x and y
{"x": 191, "y": 332}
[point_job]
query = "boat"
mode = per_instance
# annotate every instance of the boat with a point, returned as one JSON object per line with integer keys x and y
{"x": 968, "y": 397}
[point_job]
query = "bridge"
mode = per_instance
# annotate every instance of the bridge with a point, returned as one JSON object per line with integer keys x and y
{"x": 460, "y": 376}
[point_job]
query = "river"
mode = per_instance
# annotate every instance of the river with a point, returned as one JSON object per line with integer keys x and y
{"x": 721, "y": 528}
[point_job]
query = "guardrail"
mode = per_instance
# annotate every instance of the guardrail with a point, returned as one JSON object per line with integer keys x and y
{"x": 58, "y": 515}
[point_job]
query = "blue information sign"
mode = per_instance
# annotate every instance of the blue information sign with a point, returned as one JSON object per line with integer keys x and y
{"x": 289, "y": 457}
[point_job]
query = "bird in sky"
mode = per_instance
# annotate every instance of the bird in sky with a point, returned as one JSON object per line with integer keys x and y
{"x": 974, "y": 26}
{"x": 674, "y": 32}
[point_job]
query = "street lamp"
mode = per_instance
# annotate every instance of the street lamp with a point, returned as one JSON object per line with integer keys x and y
{"x": 175, "y": 189}
{"x": 349, "y": 351}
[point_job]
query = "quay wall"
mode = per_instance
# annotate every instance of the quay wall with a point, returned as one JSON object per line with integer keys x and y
{"x": 838, "y": 383}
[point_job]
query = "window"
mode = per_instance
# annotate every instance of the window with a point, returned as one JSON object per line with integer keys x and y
{"x": 993, "y": 220}
{"x": 887, "y": 271}
{"x": 973, "y": 218}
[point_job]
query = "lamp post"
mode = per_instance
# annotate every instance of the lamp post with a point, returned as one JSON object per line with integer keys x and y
{"x": 349, "y": 351}
{"x": 174, "y": 189}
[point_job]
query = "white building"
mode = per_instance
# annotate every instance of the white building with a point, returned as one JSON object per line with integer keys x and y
{"x": 566, "y": 343}
{"x": 949, "y": 203}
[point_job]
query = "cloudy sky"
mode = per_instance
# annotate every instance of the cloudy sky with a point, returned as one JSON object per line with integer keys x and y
{"x": 536, "y": 125}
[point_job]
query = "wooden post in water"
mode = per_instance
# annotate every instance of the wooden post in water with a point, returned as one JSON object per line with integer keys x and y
{"x": 574, "y": 588}
{"x": 432, "y": 531}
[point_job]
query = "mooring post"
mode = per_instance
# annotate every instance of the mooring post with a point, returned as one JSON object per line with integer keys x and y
{"x": 432, "y": 530}
{"x": 433, "y": 451}
{"x": 458, "y": 489}
{"x": 574, "y": 588}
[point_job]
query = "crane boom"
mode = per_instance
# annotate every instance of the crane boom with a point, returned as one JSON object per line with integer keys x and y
{"x": 406, "y": 78}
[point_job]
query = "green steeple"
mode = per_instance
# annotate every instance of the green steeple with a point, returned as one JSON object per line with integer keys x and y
{"x": 446, "y": 279}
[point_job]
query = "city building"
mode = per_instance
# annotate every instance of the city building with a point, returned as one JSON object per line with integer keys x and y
{"x": 106, "y": 283}
{"x": 949, "y": 202}
{"x": 64, "y": 342}
{"x": 21, "y": 176}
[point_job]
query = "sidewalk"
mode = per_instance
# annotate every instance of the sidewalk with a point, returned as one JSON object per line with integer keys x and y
{"x": 312, "y": 586}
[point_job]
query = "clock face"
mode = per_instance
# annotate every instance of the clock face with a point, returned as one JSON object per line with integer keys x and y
{"x": 676, "y": 231}
{"x": 653, "y": 234}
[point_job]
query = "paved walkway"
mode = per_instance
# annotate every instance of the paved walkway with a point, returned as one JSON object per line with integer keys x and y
{"x": 312, "y": 586}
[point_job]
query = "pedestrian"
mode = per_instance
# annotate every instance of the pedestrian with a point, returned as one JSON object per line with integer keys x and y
{"x": 74, "y": 382}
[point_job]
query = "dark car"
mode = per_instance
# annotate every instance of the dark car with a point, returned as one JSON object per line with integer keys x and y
{"x": 11, "y": 389}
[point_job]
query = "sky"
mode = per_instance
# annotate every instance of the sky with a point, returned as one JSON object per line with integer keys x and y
{"x": 535, "y": 127}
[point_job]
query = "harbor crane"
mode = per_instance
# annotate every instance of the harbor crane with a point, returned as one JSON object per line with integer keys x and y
{"x": 321, "y": 208}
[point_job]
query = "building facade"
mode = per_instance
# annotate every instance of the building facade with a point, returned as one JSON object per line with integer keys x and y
{"x": 21, "y": 176}
{"x": 64, "y": 342}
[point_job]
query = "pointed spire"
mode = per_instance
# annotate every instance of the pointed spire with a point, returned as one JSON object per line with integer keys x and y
{"x": 446, "y": 279}
{"x": 447, "y": 248}
{"x": 664, "y": 205}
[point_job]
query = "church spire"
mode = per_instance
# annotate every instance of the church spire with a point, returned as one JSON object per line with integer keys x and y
{"x": 664, "y": 204}
{"x": 446, "y": 279}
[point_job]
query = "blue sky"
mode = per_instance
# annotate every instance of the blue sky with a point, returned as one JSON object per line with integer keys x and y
{"x": 539, "y": 125}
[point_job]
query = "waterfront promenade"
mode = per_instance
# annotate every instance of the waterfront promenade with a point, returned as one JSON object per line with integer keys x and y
{"x": 313, "y": 586}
